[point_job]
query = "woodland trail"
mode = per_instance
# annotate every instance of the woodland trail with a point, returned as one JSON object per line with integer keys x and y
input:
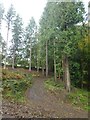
{"x": 52, "y": 104}
{"x": 42, "y": 103}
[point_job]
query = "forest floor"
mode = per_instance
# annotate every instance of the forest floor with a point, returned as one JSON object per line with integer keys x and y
{"x": 42, "y": 103}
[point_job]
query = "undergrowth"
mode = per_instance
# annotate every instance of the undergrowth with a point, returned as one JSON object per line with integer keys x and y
{"x": 52, "y": 85}
{"x": 15, "y": 83}
{"x": 78, "y": 97}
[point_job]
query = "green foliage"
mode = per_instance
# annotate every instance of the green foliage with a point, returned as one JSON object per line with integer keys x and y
{"x": 17, "y": 39}
{"x": 61, "y": 22}
{"x": 52, "y": 85}
{"x": 15, "y": 84}
{"x": 30, "y": 42}
{"x": 79, "y": 98}
{"x": 9, "y": 16}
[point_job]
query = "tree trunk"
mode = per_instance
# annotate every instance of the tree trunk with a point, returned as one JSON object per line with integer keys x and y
{"x": 43, "y": 71}
{"x": 37, "y": 64}
{"x": 68, "y": 84}
{"x": 30, "y": 60}
{"x": 55, "y": 77}
{"x": 66, "y": 73}
{"x": 6, "y": 48}
{"x": 63, "y": 66}
{"x": 46, "y": 59}
{"x": 59, "y": 76}
{"x": 13, "y": 61}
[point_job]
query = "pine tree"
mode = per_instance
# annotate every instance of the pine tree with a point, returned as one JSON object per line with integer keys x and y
{"x": 9, "y": 19}
{"x": 30, "y": 40}
{"x": 17, "y": 39}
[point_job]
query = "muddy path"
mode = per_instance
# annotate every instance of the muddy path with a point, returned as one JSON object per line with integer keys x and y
{"x": 42, "y": 103}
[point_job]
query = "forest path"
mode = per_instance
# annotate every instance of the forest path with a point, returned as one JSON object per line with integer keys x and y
{"x": 50, "y": 104}
{"x": 42, "y": 103}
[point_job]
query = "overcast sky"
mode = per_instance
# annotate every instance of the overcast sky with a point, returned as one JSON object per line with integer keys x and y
{"x": 27, "y": 9}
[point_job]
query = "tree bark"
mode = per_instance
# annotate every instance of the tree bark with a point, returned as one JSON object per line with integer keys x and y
{"x": 30, "y": 58}
{"x": 55, "y": 77}
{"x": 68, "y": 84}
{"x": 37, "y": 64}
{"x": 43, "y": 71}
{"x": 59, "y": 76}
{"x": 13, "y": 61}
{"x": 66, "y": 73}
{"x": 6, "y": 48}
{"x": 46, "y": 60}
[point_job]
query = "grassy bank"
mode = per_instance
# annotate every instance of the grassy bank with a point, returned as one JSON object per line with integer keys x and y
{"x": 52, "y": 85}
{"x": 15, "y": 83}
{"x": 77, "y": 97}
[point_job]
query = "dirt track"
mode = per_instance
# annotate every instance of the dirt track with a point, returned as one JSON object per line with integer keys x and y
{"x": 42, "y": 103}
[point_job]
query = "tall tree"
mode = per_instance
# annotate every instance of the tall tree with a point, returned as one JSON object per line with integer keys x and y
{"x": 8, "y": 18}
{"x": 17, "y": 39}
{"x": 30, "y": 39}
{"x": 68, "y": 28}
{"x": 59, "y": 23}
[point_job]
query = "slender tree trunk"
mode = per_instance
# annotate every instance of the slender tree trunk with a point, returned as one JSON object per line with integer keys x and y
{"x": 13, "y": 61}
{"x": 6, "y": 48}
{"x": 55, "y": 77}
{"x": 46, "y": 59}
{"x": 68, "y": 84}
{"x": 30, "y": 59}
{"x": 43, "y": 71}
{"x": 37, "y": 64}
{"x": 66, "y": 73}
{"x": 59, "y": 76}
{"x": 64, "y": 70}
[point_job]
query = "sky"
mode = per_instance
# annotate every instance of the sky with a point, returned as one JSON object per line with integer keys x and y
{"x": 27, "y": 9}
